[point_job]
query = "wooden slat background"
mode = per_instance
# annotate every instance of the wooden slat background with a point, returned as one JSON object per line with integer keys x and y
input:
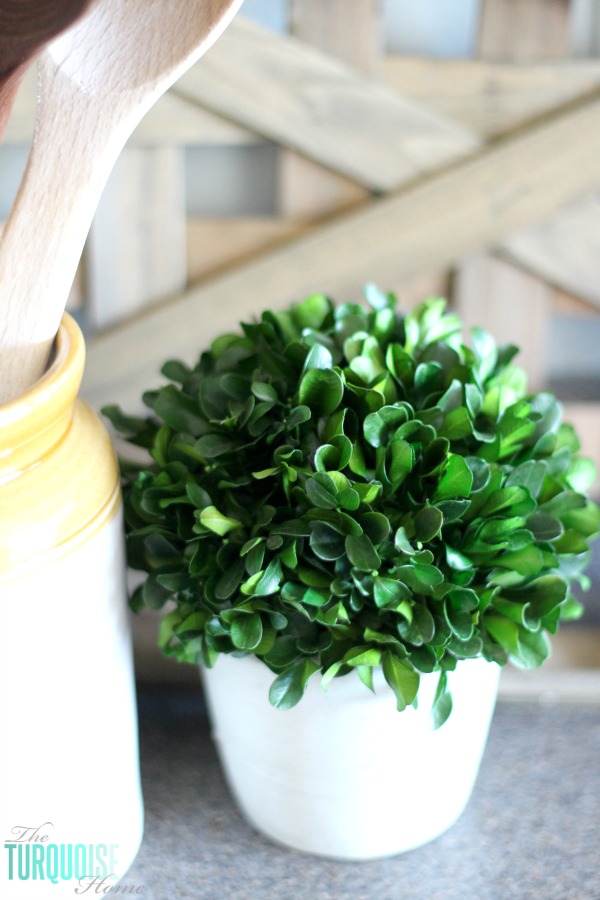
{"x": 477, "y": 178}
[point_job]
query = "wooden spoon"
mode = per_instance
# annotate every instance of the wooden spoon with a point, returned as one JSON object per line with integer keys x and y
{"x": 96, "y": 82}
{"x": 25, "y": 26}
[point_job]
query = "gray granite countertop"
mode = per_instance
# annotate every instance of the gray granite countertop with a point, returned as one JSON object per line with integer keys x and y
{"x": 532, "y": 829}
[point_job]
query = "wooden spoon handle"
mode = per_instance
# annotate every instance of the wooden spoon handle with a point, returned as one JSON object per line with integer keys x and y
{"x": 46, "y": 230}
{"x": 88, "y": 105}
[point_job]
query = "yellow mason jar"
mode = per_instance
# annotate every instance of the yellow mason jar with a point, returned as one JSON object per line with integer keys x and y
{"x": 70, "y": 799}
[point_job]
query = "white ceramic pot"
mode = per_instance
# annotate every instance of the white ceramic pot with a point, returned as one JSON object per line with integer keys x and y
{"x": 69, "y": 772}
{"x": 344, "y": 774}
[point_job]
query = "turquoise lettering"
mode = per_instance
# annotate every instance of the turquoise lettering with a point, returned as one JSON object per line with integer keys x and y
{"x": 52, "y": 869}
{"x": 37, "y": 870}
{"x": 10, "y": 848}
{"x": 24, "y": 864}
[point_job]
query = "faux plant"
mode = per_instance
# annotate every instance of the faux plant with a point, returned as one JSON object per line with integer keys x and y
{"x": 336, "y": 488}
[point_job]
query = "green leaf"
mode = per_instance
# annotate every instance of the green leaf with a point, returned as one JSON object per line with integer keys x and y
{"x": 175, "y": 370}
{"x": 298, "y": 416}
{"x": 246, "y": 631}
{"x": 153, "y": 594}
{"x": 481, "y": 473}
{"x": 312, "y": 312}
{"x": 264, "y": 391}
{"x": 376, "y": 526}
{"x": 402, "y": 543}
{"x": 401, "y": 458}
{"x": 525, "y": 561}
{"x": 529, "y": 475}
{"x": 369, "y": 364}
{"x": 288, "y": 688}
{"x": 504, "y": 499}
{"x": 423, "y": 658}
{"x": 349, "y": 499}
{"x": 505, "y": 632}
{"x": 362, "y": 553}
{"x": 129, "y": 426}
{"x": 265, "y": 473}
{"x": 365, "y": 673}
{"x": 456, "y": 480}
{"x": 327, "y": 543}
{"x": 442, "y": 702}
{"x": 457, "y": 425}
{"x": 585, "y": 520}
{"x": 321, "y": 491}
{"x": 179, "y": 411}
{"x": 402, "y": 679}
{"x": 264, "y": 583}
{"x": 543, "y": 594}
{"x": 581, "y": 474}
{"x": 544, "y": 527}
{"x": 420, "y": 629}
{"x": 214, "y": 520}
{"x": 377, "y": 299}
{"x": 316, "y": 598}
{"x": 319, "y": 357}
{"x": 283, "y": 653}
{"x": 199, "y": 497}
{"x": 497, "y": 530}
{"x": 399, "y": 363}
{"x": 379, "y": 425}
{"x": 428, "y": 523}
{"x": 389, "y": 592}
{"x": 457, "y": 560}
{"x": 453, "y": 510}
{"x": 293, "y": 527}
{"x": 533, "y": 649}
{"x": 321, "y": 390}
{"x": 362, "y": 656}
{"x": 229, "y": 582}
{"x": 460, "y": 621}
{"x": 420, "y": 577}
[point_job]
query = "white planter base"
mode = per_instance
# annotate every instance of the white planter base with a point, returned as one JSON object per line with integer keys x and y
{"x": 343, "y": 774}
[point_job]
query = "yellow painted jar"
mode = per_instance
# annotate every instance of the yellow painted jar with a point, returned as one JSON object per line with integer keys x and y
{"x": 70, "y": 798}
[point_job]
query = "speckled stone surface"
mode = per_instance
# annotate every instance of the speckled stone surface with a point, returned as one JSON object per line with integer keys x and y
{"x": 531, "y": 831}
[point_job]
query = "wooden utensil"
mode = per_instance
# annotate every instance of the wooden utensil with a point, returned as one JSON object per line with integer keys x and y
{"x": 96, "y": 82}
{"x": 25, "y": 27}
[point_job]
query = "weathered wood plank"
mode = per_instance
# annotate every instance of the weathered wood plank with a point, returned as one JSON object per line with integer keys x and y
{"x": 567, "y": 247}
{"x": 348, "y": 30}
{"x": 511, "y": 305}
{"x": 524, "y": 30}
{"x": 173, "y": 121}
{"x": 507, "y": 187}
{"x": 491, "y": 98}
{"x": 217, "y": 244}
{"x": 136, "y": 249}
{"x": 290, "y": 93}
{"x": 564, "y": 250}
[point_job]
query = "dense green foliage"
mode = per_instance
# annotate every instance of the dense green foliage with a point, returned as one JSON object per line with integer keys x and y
{"x": 335, "y": 489}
